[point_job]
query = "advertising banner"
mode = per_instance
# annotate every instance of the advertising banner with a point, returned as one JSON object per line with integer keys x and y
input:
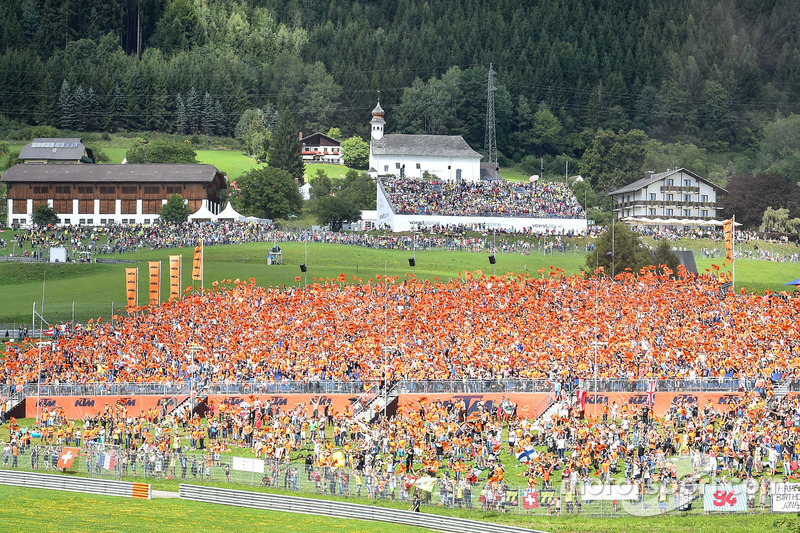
{"x": 529, "y": 405}
{"x": 175, "y": 273}
{"x": 155, "y": 282}
{"x": 77, "y": 407}
{"x": 285, "y": 402}
{"x": 131, "y": 284}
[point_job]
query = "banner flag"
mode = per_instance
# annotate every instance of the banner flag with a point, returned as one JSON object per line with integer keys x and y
{"x": 197, "y": 267}
{"x": 727, "y": 231}
{"x": 175, "y": 272}
{"x": 131, "y": 281}
{"x": 155, "y": 282}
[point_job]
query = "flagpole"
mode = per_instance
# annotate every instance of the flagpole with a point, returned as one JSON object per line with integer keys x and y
{"x": 733, "y": 255}
{"x": 202, "y": 266}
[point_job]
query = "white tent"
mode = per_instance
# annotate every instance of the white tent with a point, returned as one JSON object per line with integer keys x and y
{"x": 305, "y": 191}
{"x": 229, "y": 213}
{"x": 202, "y": 215}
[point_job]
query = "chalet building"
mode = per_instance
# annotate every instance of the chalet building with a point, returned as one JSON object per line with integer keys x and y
{"x": 56, "y": 152}
{"x": 677, "y": 194}
{"x": 108, "y": 194}
{"x": 448, "y": 157}
{"x": 319, "y": 148}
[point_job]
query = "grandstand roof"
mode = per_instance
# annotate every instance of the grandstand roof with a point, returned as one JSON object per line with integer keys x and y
{"x": 424, "y": 145}
{"x": 152, "y": 173}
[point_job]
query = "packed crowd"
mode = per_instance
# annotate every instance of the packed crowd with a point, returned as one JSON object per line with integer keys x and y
{"x": 462, "y": 329}
{"x": 485, "y": 198}
{"x": 458, "y": 451}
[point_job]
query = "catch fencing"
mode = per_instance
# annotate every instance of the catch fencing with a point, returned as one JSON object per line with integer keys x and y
{"x": 112, "y": 462}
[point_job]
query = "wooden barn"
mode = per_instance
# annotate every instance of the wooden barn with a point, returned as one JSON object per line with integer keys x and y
{"x": 97, "y": 195}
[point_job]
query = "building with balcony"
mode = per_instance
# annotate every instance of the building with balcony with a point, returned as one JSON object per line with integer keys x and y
{"x": 678, "y": 194}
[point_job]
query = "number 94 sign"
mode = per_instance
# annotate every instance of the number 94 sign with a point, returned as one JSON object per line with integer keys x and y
{"x": 725, "y": 498}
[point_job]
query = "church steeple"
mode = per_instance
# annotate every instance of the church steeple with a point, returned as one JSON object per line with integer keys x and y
{"x": 377, "y": 123}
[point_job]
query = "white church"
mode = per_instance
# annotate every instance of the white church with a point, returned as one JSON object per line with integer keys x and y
{"x": 448, "y": 157}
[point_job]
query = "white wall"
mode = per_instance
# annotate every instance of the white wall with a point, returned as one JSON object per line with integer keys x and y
{"x": 443, "y": 167}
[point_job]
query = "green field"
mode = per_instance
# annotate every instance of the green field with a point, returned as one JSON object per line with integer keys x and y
{"x": 94, "y": 287}
{"x": 46, "y": 510}
{"x": 51, "y": 510}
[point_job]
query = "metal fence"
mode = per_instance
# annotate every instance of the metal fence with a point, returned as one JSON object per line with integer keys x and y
{"x": 75, "y": 484}
{"x": 107, "y": 461}
{"x": 404, "y": 387}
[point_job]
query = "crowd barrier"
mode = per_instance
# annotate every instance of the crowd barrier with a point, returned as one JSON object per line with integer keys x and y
{"x": 104, "y": 487}
{"x": 337, "y": 509}
{"x": 468, "y": 386}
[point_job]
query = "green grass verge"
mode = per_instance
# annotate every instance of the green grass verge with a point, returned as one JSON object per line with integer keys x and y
{"x": 52, "y": 510}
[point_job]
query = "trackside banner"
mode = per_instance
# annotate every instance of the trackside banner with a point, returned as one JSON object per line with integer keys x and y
{"x": 724, "y": 498}
{"x": 76, "y": 407}
{"x": 786, "y": 498}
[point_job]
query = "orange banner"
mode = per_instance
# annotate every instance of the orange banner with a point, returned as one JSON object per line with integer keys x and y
{"x": 727, "y": 231}
{"x": 529, "y": 405}
{"x": 197, "y": 265}
{"x": 175, "y": 273}
{"x": 286, "y": 401}
{"x": 131, "y": 284}
{"x": 77, "y": 407}
{"x": 155, "y": 282}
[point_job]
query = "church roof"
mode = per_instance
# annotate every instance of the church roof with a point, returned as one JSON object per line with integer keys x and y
{"x": 378, "y": 111}
{"x": 424, "y": 145}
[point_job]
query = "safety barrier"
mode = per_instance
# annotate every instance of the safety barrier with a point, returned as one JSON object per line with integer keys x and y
{"x": 292, "y": 504}
{"x": 75, "y": 484}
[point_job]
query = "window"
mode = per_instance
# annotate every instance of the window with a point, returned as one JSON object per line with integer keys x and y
{"x": 62, "y": 189}
{"x": 687, "y": 183}
{"x": 90, "y": 221}
{"x": 386, "y": 168}
{"x": 103, "y": 221}
{"x": 397, "y": 165}
{"x": 704, "y": 213}
{"x": 687, "y": 212}
{"x": 670, "y": 197}
{"x": 458, "y": 174}
{"x": 651, "y": 212}
{"x": 652, "y": 196}
{"x": 687, "y": 197}
{"x": 174, "y": 189}
{"x": 40, "y": 189}
{"x": 67, "y": 221}
{"x": 669, "y": 212}
{"x": 152, "y": 189}
{"x": 704, "y": 198}
{"x": 147, "y": 221}
{"x": 85, "y": 189}
{"x": 82, "y": 221}
{"x": 418, "y": 166}
{"x": 128, "y": 189}
{"x": 108, "y": 189}
{"x": 670, "y": 182}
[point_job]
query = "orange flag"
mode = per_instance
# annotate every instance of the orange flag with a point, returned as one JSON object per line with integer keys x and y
{"x": 175, "y": 276}
{"x": 155, "y": 281}
{"x": 727, "y": 231}
{"x": 197, "y": 267}
{"x": 131, "y": 282}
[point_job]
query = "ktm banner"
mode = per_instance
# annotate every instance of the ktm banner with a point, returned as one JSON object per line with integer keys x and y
{"x": 528, "y": 405}
{"x": 727, "y": 231}
{"x": 131, "y": 283}
{"x": 175, "y": 264}
{"x": 197, "y": 265}
{"x": 77, "y": 407}
{"x": 155, "y": 281}
{"x": 285, "y": 402}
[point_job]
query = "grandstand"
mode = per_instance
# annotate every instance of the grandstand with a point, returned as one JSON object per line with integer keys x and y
{"x": 405, "y": 204}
